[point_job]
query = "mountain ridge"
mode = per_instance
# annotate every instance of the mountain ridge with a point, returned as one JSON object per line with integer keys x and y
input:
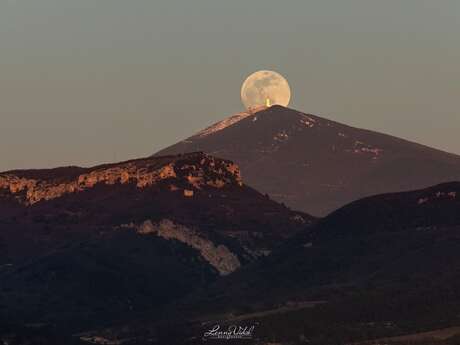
{"x": 317, "y": 165}
{"x": 143, "y": 172}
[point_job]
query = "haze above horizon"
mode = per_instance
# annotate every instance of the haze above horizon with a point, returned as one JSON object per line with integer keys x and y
{"x": 85, "y": 82}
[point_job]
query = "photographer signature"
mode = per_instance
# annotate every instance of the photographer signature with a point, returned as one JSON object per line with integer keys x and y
{"x": 231, "y": 332}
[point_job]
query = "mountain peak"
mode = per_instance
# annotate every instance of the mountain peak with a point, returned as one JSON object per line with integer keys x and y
{"x": 317, "y": 165}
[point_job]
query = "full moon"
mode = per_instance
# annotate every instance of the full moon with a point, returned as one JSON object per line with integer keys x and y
{"x": 265, "y": 88}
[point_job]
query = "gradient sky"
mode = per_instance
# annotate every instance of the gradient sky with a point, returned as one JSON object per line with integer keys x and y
{"x": 90, "y": 81}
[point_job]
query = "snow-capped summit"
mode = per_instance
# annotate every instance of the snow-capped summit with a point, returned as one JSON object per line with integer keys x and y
{"x": 317, "y": 165}
{"x": 229, "y": 121}
{"x": 218, "y": 126}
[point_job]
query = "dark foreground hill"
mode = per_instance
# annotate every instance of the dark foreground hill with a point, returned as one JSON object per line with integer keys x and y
{"x": 159, "y": 250}
{"x": 82, "y": 247}
{"x": 382, "y": 266}
{"x": 317, "y": 165}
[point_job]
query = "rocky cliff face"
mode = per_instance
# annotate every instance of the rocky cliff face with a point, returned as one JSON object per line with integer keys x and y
{"x": 196, "y": 190}
{"x": 196, "y": 169}
{"x": 217, "y": 255}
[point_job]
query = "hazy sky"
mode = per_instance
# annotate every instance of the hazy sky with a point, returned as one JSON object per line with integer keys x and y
{"x": 90, "y": 81}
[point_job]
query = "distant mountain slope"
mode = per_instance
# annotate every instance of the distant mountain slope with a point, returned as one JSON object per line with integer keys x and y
{"x": 81, "y": 246}
{"x": 317, "y": 165}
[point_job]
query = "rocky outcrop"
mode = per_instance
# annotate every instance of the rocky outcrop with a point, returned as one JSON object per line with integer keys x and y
{"x": 197, "y": 170}
{"x": 218, "y": 255}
